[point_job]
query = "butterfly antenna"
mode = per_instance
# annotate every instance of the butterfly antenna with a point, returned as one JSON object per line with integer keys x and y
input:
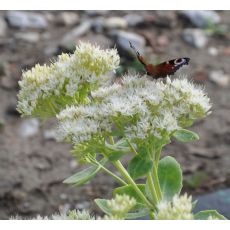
{"x": 133, "y": 47}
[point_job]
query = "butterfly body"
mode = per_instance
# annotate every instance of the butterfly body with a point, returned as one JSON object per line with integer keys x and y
{"x": 163, "y": 69}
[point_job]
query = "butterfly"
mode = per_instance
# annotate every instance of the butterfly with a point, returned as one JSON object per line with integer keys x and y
{"x": 163, "y": 69}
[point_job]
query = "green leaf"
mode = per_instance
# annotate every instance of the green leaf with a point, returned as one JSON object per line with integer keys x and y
{"x": 137, "y": 214}
{"x": 102, "y": 204}
{"x": 204, "y": 215}
{"x": 84, "y": 176}
{"x": 170, "y": 177}
{"x": 128, "y": 190}
{"x": 138, "y": 167}
{"x": 185, "y": 135}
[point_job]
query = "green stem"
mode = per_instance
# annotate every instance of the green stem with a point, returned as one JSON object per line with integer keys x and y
{"x": 156, "y": 182}
{"x": 95, "y": 162}
{"x": 127, "y": 177}
{"x": 132, "y": 147}
{"x": 152, "y": 188}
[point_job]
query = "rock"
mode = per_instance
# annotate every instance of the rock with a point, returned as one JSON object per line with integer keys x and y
{"x": 8, "y": 82}
{"x": 31, "y": 37}
{"x": 219, "y": 78}
{"x": 115, "y": 23}
{"x": 201, "y": 18}
{"x": 218, "y": 200}
{"x": 195, "y": 37}
{"x": 75, "y": 33}
{"x": 50, "y": 50}
{"x": 68, "y": 18}
{"x": 98, "y": 24}
{"x": 134, "y": 19}
{"x": 226, "y": 51}
{"x": 49, "y": 134}
{"x": 166, "y": 19}
{"x": 3, "y": 27}
{"x": 20, "y": 19}
{"x": 213, "y": 51}
{"x": 123, "y": 38}
{"x": 73, "y": 164}
{"x": 29, "y": 128}
{"x": 96, "y": 12}
{"x": 200, "y": 76}
{"x": 82, "y": 205}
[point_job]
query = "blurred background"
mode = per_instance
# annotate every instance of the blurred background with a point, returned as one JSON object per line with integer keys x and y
{"x": 33, "y": 165}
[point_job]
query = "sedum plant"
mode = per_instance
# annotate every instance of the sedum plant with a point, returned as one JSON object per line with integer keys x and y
{"x": 105, "y": 121}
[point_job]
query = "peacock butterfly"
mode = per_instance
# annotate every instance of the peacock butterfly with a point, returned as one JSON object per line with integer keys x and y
{"x": 163, "y": 69}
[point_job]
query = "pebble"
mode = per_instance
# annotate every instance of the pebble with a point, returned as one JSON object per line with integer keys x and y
{"x": 200, "y": 76}
{"x": 8, "y": 82}
{"x": 20, "y": 19}
{"x": 226, "y": 51}
{"x": 115, "y": 23}
{"x": 123, "y": 38}
{"x": 73, "y": 164}
{"x": 71, "y": 37}
{"x": 219, "y": 78}
{"x": 49, "y": 134}
{"x": 195, "y": 37}
{"x": 29, "y": 128}
{"x": 133, "y": 19}
{"x": 30, "y": 37}
{"x": 82, "y": 205}
{"x": 98, "y": 24}
{"x": 3, "y": 27}
{"x": 96, "y": 12}
{"x": 68, "y": 18}
{"x": 202, "y": 18}
{"x": 213, "y": 51}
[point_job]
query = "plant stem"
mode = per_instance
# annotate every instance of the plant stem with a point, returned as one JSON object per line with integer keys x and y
{"x": 157, "y": 183}
{"x": 152, "y": 188}
{"x": 127, "y": 177}
{"x": 132, "y": 147}
{"x": 95, "y": 162}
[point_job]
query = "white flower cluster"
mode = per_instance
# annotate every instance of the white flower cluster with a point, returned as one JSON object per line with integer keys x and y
{"x": 121, "y": 205}
{"x": 137, "y": 107}
{"x": 180, "y": 208}
{"x": 70, "y": 74}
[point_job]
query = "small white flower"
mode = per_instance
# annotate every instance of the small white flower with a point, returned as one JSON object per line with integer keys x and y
{"x": 180, "y": 208}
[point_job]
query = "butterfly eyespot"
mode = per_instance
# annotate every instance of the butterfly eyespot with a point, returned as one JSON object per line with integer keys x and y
{"x": 179, "y": 61}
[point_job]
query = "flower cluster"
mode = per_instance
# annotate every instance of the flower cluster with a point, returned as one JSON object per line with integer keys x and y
{"x": 45, "y": 90}
{"x": 180, "y": 208}
{"x": 119, "y": 206}
{"x": 137, "y": 108}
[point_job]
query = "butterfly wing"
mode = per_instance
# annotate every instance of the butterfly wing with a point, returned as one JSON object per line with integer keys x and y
{"x": 166, "y": 68}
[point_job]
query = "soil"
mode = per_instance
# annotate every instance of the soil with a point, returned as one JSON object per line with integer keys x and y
{"x": 32, "y": 169}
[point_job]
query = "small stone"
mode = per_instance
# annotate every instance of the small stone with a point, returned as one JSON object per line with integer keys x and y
{"x": 219, "y": 78}
{"x": 63, "y": 196}
{"x": 3, "y": 27}
{"x": 200, "y": 76}
{"x": 115, "y": 23}
{"x": 8, "y": 82}
{"x": 68, "y": 18}
{"x": 124, "y": 37}
{"x": 195, "y": 37}
{"x": 20, "y": 19}
{"x": 201, "y": 18}
{"x": 71, "y": 37}
{"x": 83, "y": 205}
{"x": 73, "y": 164}
{"x": 226, "y": 51}
{"x": 50, "y": 50}
{"x": 213, "y": 51}
{"x": 29, "y": 128}
{"x": 134, "y": 19}
{"x": 31, "y": 37}
{"x": 96, "y": 12}
{"x": 98, "y": 24}
{"x": 49, "y": 134}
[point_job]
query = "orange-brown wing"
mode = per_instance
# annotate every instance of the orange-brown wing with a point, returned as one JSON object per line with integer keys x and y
{"x": 167, "y": 68}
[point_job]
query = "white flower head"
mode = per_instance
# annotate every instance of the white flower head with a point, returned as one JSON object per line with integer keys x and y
{"x": 68, "y": 79}
{"x": 180, "y": 208}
